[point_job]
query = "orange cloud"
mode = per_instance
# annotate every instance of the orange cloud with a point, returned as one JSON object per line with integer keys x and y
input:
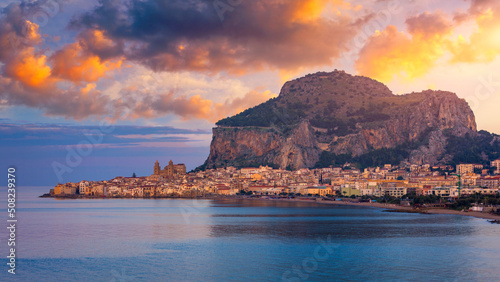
{"x": 29, "y": 68}
{"x": 30, "y": 78}
{"x": 147, "y": 105}
{"x": 391, "y": 53}
{"x": 483, "y": 45}
{"x": 27, "y": 77}
{"x": 237, "y": 105}
{"x": 75, "y": 64}
{"x": 305, "y": 11}
{"x": 32, "y": 33}
{"x": 22, "y": 62}
{"x": 312, "y": 10}
{"x": 75, "y": 103}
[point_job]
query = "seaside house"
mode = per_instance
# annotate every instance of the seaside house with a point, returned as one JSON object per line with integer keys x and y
{"x": 440, "y": 191}
{"x": 489, "y": 182}
{"x": 58, "y": 189}
{"x": 82, "y": 186}
{"x": 349, "y": 190}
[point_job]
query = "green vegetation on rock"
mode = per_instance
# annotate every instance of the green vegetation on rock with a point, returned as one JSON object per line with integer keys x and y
{"x": 481, "y": 148}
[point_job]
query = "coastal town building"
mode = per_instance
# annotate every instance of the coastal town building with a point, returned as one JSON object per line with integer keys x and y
{"x": 173, "y": 181}
{"x": 58, "y": 189}
{"x": 65, "y": 189}
{"x": 496, "y": 164}
{"x": 465, "y": 169}
{"x": 397, "y": 192}
{"x": 489, "y": 182}
{"x": 82, "y": 187}
{"x": 170, "y": 170}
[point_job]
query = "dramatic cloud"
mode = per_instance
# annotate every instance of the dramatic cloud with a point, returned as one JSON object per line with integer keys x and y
{"x": 164, "y": 36}
{"x": 16, "y": 32}
{"x": 391, "y": 53}
{"x": 79, "y": 62}
{"x": 88, "y": 70}
{"x": 429, "y": 25}
{"x": 148, "y": 105}
{"x": 254, "y": 35}
{"x": 76, "y": 103}
{"x": 28, "y": 79}
{"x": 483, "y": 45}
{"x": 29, "y": 68}
{"x": 21, "y": 61}
{"x": 237, "y": 105}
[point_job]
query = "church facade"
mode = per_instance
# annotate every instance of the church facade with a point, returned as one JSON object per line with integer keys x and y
{"x": 170, "y": 170}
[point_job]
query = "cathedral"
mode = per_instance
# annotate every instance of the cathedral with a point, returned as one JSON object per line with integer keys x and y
{"x": 170, "y": 170}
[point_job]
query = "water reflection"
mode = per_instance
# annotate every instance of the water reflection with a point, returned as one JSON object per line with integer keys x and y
{"x": 261, "y": 218}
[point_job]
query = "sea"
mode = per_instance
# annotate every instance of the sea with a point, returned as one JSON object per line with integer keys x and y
{"x": 235, "y": 240}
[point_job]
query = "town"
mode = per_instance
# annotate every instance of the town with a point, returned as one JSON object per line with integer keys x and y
{"x": 389, "y": 181}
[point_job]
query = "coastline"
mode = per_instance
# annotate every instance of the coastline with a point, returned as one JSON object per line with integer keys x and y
{"x": 397, "y": 208}
{"x": 89, "y": 197}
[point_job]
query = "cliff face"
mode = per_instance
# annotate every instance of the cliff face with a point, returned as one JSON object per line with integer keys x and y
{"x": 248, "y": 146}
{"x": 339, "y": 114}
{"x": 437, "y": 111}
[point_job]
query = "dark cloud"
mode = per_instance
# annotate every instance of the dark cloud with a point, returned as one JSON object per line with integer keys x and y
{"x": 189, "y": 35}
{"x": 93, "y": 42}
{"x": 429, "y": 24}
{"x": 164, "y": 35}
{"x": 15, "y": 32}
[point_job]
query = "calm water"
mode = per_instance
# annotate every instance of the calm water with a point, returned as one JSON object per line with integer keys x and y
{"x": 186, "y": 240}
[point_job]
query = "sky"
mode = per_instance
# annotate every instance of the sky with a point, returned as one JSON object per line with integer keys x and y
{"x": 97, "y": 89}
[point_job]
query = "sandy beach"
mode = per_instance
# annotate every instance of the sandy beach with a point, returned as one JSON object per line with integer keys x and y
{"x": 400, "y": 208}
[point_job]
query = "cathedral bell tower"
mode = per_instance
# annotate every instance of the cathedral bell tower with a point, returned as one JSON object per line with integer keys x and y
{"x": 157, "y": 168}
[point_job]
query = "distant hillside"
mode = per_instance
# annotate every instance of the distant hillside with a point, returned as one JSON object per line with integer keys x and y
{"x": 328, "y": 119}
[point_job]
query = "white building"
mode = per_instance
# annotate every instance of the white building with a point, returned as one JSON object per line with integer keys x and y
{"x": 465, "y": 168}
{"x": 82, "y": 187}
{"x": 496, "y": 163}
